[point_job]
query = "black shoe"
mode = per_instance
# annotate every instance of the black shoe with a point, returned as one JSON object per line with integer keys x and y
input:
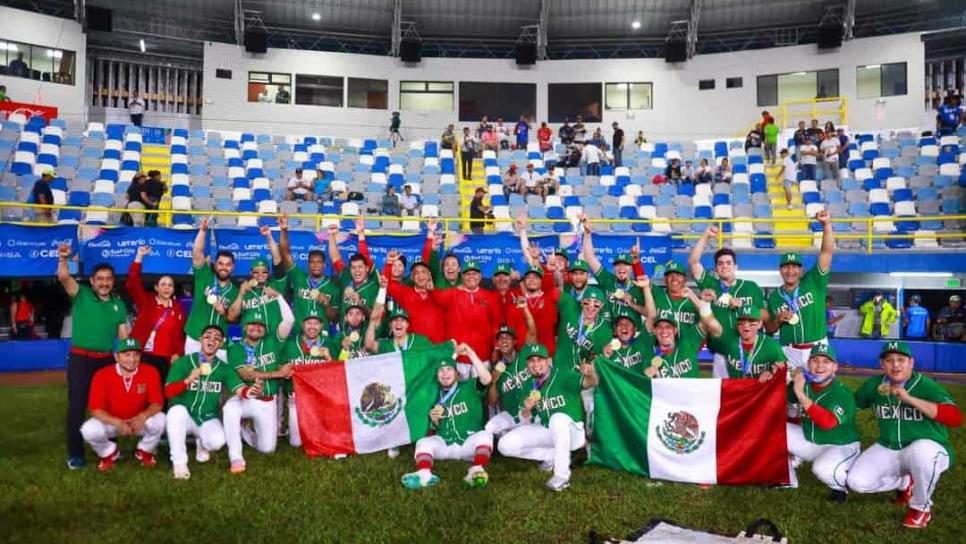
{"x": 838, "y": 496}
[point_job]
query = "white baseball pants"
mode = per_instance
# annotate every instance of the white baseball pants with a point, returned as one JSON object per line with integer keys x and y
{"x": 438, "y": 449}
{"x": 500, "y": 423}
{"x": 210, "y": 435}
{"x": 798, "y": 358}
{"x": 553, "y": 443}
{"x": 719, "y": 366}
{"x": 262, "y": 414}
{"x": 830, "y": 463}
{"x": 99, "y": 434}
{"x": 193, "y": 346}
{"x": 880, "y": 469}
{"x": 294, "y": 438}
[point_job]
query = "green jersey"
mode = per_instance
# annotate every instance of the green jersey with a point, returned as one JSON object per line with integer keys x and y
{"x": 303, "y": 286}
{"x": 836, "y": 398}
{"x": 256, "y": 300}
{"x": 899, "y": 423}
{"x": 809, "y": 297}
{"x": 203, "y": 396}
{"x": 412, "y": 341}
{"x": 463, "y": 411}
{"x": 759, "y": 357}
{"x": 637, "y": 354}
{"x": 510, "y": 385}
{"x": 202, "y": 313}
{"x": 615, "y": 289}
{"x": 263, "y": 357}
{"x": 367, "y": 291}
{"x": 680, "y": 363}
{"x": 297, "y": 350}
{"x": 356, "y": 349}
{"x": 746, "y": 292}
{"x": 683, "y": 311}
{"x": 559, "y": 392}
{"x": 576, "y": 340}
{"x": 95, "y": 321}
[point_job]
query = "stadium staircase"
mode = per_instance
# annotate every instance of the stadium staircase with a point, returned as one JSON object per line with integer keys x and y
{"x": 158, "y": 157}
{"x": 779, "y": 210}
{"x": 468, "y": 190}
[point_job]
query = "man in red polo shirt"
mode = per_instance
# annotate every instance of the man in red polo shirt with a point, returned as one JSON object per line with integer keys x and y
{"x": 125, "y": 400}
{"x": 425, "y": 316}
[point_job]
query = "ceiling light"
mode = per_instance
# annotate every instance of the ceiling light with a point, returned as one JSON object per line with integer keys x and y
{"x": 316, "y": 17}
{"x": 635, "y": 25}
{"x": 142, "y": 45}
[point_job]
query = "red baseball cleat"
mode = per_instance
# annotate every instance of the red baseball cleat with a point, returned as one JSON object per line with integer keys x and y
{"x": 106, "y": 463}
{"x": 916, "y": 519}
{"x": 147, "y": 459}
{"x": 903, "y": 495}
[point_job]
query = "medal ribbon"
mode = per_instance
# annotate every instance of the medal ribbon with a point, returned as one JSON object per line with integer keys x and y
{"x": 249, "y": 353}
{"x": 307, "y": 346}
{"x": 164, "y": 315}
{"x": 792, "y": 300}
{"x": 746, "y": 360}
{"x": 538, "y": 382}
{"x": 315, "y": 284}
{"x": 582, "y": 331}
{"x": 725, "y": 288}
{"x": 409, "y": 343}
{"x": 443, "y": 399}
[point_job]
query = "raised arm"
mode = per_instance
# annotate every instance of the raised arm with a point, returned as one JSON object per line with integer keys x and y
{"x": 288, "y": 318}
{"x": 335, "y": 256}
{"x": 133, "y": 284}
{"x": 284, "y": 246}
{"x": 482, "y": 369}
{"x": 198, "y": 249}
{"x": 525, "y": 240}
{"x": 694, "y": 258}
{"x": 63, "y": 271}
{"x": 430, "y": 243}
{"x": 531, "y": 337}
{"x": 236, "y": 306}
{"x": 588, "y": 247}
{"x": 272, "y": 246}
{"x": 828, "y": 242}
{"x": 363, "y": 246}
{"x": 708, "y": 324}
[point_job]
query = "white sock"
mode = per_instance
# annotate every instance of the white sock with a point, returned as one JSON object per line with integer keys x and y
{"x": 424, "y": 474}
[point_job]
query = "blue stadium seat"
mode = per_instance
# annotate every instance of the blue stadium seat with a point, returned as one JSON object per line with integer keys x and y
{"x": 180, "y": 190}
{"x": 182, "y": 220}
{"x": 720, "y": 198}
{"x": 902, "y": 195}
{"x": 878, "y": 208}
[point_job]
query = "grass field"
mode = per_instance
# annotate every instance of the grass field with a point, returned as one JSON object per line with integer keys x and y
{"x": 286, "y": 497}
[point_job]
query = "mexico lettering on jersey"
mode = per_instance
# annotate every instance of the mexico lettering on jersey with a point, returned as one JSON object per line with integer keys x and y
{"x": 560, "y": 392}
{"x": 682, "y": 362}
{"x": 682, "y": 310}
{"x": 637, "y": 354}
{"x": 510, "y": 385}
{"x": 576, "y": 341}
{"x": 811, "y": 293}
{"x": 462, "y": 412}
{"x": 262, "y": 357}
{"x": 203, "y": 314}
{"x": 202, "y": 398}
{"x": 747, "y": 293}
{"x": 764, "y": 354}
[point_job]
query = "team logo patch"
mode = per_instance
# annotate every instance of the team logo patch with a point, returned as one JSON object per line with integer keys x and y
{"x": 142, "y": 388}
{"x": 378, "y": 406}
{"x": 680, "y": 433}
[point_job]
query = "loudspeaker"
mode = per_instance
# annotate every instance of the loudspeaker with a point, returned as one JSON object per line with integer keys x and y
{"x": 829, "y": 36}
{"x": 99, "y": 19}
{"x": 256, "y": 41}
{"x": 526, "y": 53}
{"x": 676, "y": 51}
{"x": 411, "y": 50}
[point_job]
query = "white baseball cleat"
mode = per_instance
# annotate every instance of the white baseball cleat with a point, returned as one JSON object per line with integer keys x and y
{"x": 557, "y": 483}
{"x": 181, "y": 472}
{"x": 202, "y": 455}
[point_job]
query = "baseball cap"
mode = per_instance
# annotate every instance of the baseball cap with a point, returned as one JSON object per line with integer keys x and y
{"x": 594, "y": 293}
{"x": 561, "y": 251}
{"x": 259, "y": 262}
{"x": 50, "y": 172}
{"x": 623, "y": 258}
{"x": 505, "y": 329}
{"x": 253, "y": 317}
{"x": 955, "y": 298}
{"x": 580, "y": 265}
{"x": 213, "y": 326}
{"x": 749, "y": 311}
{"x": 538, "y": 270}
{"x": 791, "y": 258}
{"x": 502, "y": 268}
{"x": 312, "y": 313}
{"x": 128, "y": 344}
{"x": 470, "y": 266}
{"x": 668, "y": 317}
{"x": 624, "y": 313}
{"x": 398, "y": 312}
{"x": 823, "y": 349}
{"x": 536, "y": 350}
{"x": 673, "y": 267}
{"x": 447, "y": 362}
{"x": 361, "y": 304}
{"x": 895, "y": 346}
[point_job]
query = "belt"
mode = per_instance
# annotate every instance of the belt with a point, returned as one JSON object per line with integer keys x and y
{"x": 268, "y": 398}
{"x": 802, "y": 346}
{"x": 91, "y": 354}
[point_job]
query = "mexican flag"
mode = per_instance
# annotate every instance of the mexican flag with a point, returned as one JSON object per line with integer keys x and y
{"x": 369, "y": 404}
{"x": 707, "y": 431}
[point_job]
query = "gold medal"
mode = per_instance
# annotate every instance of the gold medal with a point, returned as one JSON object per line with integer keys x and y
{"x": 253, "y": 283}
{"x": 438, "y": 410}
{"x": 615, "y": 344}
{"x": 205, "y": 368}
{"x": 885, "y": 389}
{"x": 314, "y": 294}
{"x": 534, "y": 395}
{"x": 354, "y": 337}
{"x": 724, "y": 299}
{"x": 619, "y": 294}
{"x": 500, "y": 367}
{"x": 211, "y": 300}
{"x": 315, "y": 351}
{"x": 794, "y": 319}
{"x": 348, "y": 291}
{"x": 656, "y": 362}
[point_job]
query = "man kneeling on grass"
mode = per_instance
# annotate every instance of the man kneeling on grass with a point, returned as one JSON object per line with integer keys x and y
{"x": 456, "y": 429}
{"x": 125, "y": 400}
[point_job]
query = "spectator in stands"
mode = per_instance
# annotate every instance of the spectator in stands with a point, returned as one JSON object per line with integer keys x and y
{"x": 704, "y": 173}
{"x": 591, "y": 155}
{"x": 522, "y": 131}
{"x": 771, "y": 140}
{"x": 468, "y": 148}
{"x": 41, "y": 194}
{"x": 390, "y": 202}
{"x": 18, "y": 67}
{"x": 409, "y": 201}
{"x": 754, "y": 138}
{"x": 618, "y": 144}
{"x": 483, "y": 127}
{"x": 394, "y": 134}
{"x": 916, "y": 319}
{"x": 503, "y": 134}
{"x": 843, "y": 147}
{"x": 531, "y": 181}
{"x": 154, "y": 188}
{"x": 800, "y": 134}
{"x": 953, "y": 320}
{"x": 831, "y": 320}
{"x": 688, "y": 171}
{"x": 3, "y": 94}
{"x": 673, "y": 172}
{"x": 598, "y": 140}
{"x": 640, "y": 140}
{"x": 722, "y": 174}
{"x": 544, "y": 135}
{"x": 550, "y": 183}
{"x": 766, "y": 119}
{"x": 323, "y": 186}
{"x": 282, "y": 96}
{"x": 22, "y": 317}
{"x": 789, "y": 176}
{"x": 512, "y": 183}
{"x": 299, "y": 188}
{"x": 808, "y": 159}
{"x": 948, "y": 116}
{"x": 830, "y": 156}
{"x": 264, "y": 97}
{"x": 877, "y": 316}
{"x": 580, "y": 132}
{"x": 479, "y": 210}
{"x": 490, "y": 141}
{"x": 815, "y": 132}
{"x": 137, "y": 198}
{"x": 448, "y": 139}
{"x": 135, "y": 108}
{"x": 566, "y": 132}
{"x": 829, "y": 126}
{"x": 571, "y": 157}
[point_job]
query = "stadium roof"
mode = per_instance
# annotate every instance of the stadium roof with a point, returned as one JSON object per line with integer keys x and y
{"x": 491, "y": 28}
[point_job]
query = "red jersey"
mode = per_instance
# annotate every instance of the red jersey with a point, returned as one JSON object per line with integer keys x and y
{"x": 471, "y": 317}
{"x": 543, "y": 307}
{"x": 425, "y": 316}
{"x": 166, "y": 322}
{"x": 108, "y": 391}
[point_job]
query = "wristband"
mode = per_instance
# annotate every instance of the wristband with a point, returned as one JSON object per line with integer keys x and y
{"x": 381, "y": 296}
{"x": 704, "y": 309}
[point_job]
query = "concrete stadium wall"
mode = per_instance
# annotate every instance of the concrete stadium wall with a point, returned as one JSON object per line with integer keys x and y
{"x": 680, "y": 110}
{"x": 54, "y": 32}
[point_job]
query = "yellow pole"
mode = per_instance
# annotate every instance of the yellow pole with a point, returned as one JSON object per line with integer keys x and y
{"x": 868, "y": 226}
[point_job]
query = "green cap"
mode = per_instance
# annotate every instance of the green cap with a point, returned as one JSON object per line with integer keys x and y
{"x": 561, "y": 251}
{"x": 470, "y": 266}
{"x": 895, "y": 346}
{"x": 312, "y": 313}
{"x": 623, "y": 258}
{"x": 791, "y": 258}
{"x": 502, "y": 268}
{"x": 823, "y": 349}
{"x": 623, "y": 312}
{"x": 594, "y": 293}
{"x": 253, "y": 317}
{"x": 446, "y": 362}
{"x": 535, "y": 350}
{"x": 673, "y": 267}
{"x": 749, "y": 311}
{"x": 259, "y": 262}
{"x": 506, "y": 329}
{"x": 398, "y": 312}
{"x": 128, "y": 344}
{"x": 580, "y": 265}
{"x": 668, "y": 317}
{"x": 538, "y": 270}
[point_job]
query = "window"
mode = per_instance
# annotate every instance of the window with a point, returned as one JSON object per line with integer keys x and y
{"x": 878, "y": 80}
{"x": 568, "y": 100}
{"x": 269, "y": 87}
{"x": 706, "y": 85}
{"x": 734, "y": 83}
{"x": 313, "y": 90}
{"x": 627, "y": 96}
{"x": 496, "y": 100}
{"x": 370, "y": 94}
{"x": 222, "y": 73}
{"x": 780, "y": 88}
{"x": 426, "y": 95}
{"x": 37, "y": 62}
